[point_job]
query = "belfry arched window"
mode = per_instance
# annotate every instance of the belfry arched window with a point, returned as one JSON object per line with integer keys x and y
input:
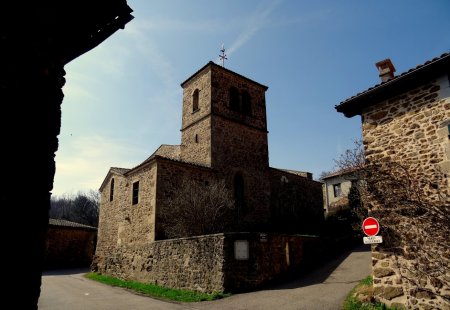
{"x": 234, "y": 99}
{"x": 195, "y": 100}
{"x": 246, "y": 103}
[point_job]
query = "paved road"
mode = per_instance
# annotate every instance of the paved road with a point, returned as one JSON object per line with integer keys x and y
{"x": 323, "y": 289}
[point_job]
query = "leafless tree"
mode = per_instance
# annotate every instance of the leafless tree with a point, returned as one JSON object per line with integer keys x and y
{"x": 197, "y": 208}
{"x": 81, "y": 208}
{"x": 414, "y": 213}
{"x": 415, "y": 223}
{"x": 352, "y": 159}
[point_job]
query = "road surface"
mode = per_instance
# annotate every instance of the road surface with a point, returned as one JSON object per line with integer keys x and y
{"x": 324, "y": 289}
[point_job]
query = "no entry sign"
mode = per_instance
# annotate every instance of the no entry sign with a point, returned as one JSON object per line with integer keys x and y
{"x": 370, "y": 226}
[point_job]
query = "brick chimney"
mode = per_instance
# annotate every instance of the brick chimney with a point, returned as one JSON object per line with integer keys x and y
{"x": 386, "y": 69}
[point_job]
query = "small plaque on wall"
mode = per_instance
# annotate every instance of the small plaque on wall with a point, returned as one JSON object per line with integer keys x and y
{"x": 241, "y": 249}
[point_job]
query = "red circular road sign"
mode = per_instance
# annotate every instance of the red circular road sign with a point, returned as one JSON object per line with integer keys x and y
{"x": 370, "y": 226}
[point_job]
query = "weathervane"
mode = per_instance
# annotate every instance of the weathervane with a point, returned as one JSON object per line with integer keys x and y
{"x": 223, "y": 56}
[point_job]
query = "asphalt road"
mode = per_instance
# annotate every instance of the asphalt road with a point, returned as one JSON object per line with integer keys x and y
{"x": 324, "y": 289}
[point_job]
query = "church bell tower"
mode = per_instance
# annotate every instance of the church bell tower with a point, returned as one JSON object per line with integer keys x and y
{"x": 224, "y": 122}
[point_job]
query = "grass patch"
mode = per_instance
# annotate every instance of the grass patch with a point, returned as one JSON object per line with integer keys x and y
{"x": 155, "y": 290}
{"x": 361, "y": 297}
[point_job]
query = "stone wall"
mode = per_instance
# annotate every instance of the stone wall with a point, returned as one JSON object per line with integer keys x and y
{"x": 208, "y": 263}
{"x": 296, "y": 203}
{"x": 122, "y": 222}
{"x": 169, "y": 178}
{"x": 411, "y": 129}
{"x": 222, "y": 81}
{"x": 196, "y": 125}
{"x": 69, "y": 247}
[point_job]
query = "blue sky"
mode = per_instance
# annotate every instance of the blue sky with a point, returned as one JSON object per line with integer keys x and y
{"x": 123, "y": 98}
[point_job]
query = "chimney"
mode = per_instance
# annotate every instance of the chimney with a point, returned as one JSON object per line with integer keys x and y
{"x": 386, "y": 69}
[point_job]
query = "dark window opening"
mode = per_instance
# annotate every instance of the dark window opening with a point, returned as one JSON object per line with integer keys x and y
{"x": 196, "y": 138}
{"x": 337, "y": 190}
{"x": 111, "y": 190}
{"x": 246, "y": 103}
{"x": 195, "y": 100}
{"x": 135, "y": 193}
{"x": 239, "y": 195}
{"x": 234, "y": 99}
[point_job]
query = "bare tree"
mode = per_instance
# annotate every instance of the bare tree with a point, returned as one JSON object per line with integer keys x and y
{"x": 82, "y": 208}
{"x": 352, "y": 159}
{"x": 415, "y": 223}
{"x": 414, "y": 214}
{"x": 197, "y": 208}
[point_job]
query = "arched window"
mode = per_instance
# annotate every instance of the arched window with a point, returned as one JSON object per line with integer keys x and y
{"x": 111, "y": 190}
{"x": 234, "y": 99}
{"x": 239, "y": 195}
{"x": 246, "y": 103}
{"x": 195, "y": 100}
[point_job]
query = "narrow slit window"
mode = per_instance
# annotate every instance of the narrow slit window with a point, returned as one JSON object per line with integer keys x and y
{"x": 135, "y": 199}
{"x": 111, "y": 190}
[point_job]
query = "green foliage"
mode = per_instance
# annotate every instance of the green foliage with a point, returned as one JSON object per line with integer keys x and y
{"x": 365, "y": 287}
{"x": 155, "y": 290}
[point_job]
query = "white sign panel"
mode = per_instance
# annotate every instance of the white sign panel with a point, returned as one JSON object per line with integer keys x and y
{"x": 241, "y": 249}
{"x": 373, "y": 239}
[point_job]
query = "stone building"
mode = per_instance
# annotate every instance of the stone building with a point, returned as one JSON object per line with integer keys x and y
{"x": 406, "y": 119}
{"x": 223, "y": 137}
{"x": 69, "y": 244}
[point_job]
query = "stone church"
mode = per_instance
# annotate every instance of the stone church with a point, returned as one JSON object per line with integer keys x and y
{"x": 223, "y": 137}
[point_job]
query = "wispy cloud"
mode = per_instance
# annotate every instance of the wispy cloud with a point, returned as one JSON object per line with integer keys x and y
{"x": 258, "y": 20}
{"x": 81, "y": 164}
{"x": 151, "y": 55}
{"x": 184, "y": 25}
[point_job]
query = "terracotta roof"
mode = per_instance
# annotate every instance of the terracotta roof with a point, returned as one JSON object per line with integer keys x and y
{"x": 65, "y": 223}
{"x": 167, "y": 152}
{"x": 119, "y": 170}
{"x": 400, "y": 83}
{"x": 339, "y": 173}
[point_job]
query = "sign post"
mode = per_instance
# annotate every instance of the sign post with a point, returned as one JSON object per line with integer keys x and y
{"x": 371, "y": 228}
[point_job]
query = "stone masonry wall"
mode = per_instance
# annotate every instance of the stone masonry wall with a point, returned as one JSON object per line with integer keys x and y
{"x": 208, "y": 263}
{"x": 411, "y": 129}
{"x": 221, "y": 83}
{"x": 296, "y": 203}
{"x": 120, "y": 222}
{"x": 69, "y": 247}
{"x": 170, "y": 175}
{"x": 196, "y": 126}
{"x": 193, "y": 263}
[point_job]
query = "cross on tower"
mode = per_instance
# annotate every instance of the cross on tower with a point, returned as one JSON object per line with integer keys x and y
{"x": 223, "y": 56}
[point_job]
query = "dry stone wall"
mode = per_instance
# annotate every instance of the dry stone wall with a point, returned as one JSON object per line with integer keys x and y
{"x": 209, "y": 264}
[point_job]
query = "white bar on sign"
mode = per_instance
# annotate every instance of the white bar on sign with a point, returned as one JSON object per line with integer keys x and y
{"x": 370, "y": 226}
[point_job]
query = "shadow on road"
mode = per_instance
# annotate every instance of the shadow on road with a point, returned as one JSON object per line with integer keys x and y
{"x": 67, "y": 271}
{"x": 316, "y": 275}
